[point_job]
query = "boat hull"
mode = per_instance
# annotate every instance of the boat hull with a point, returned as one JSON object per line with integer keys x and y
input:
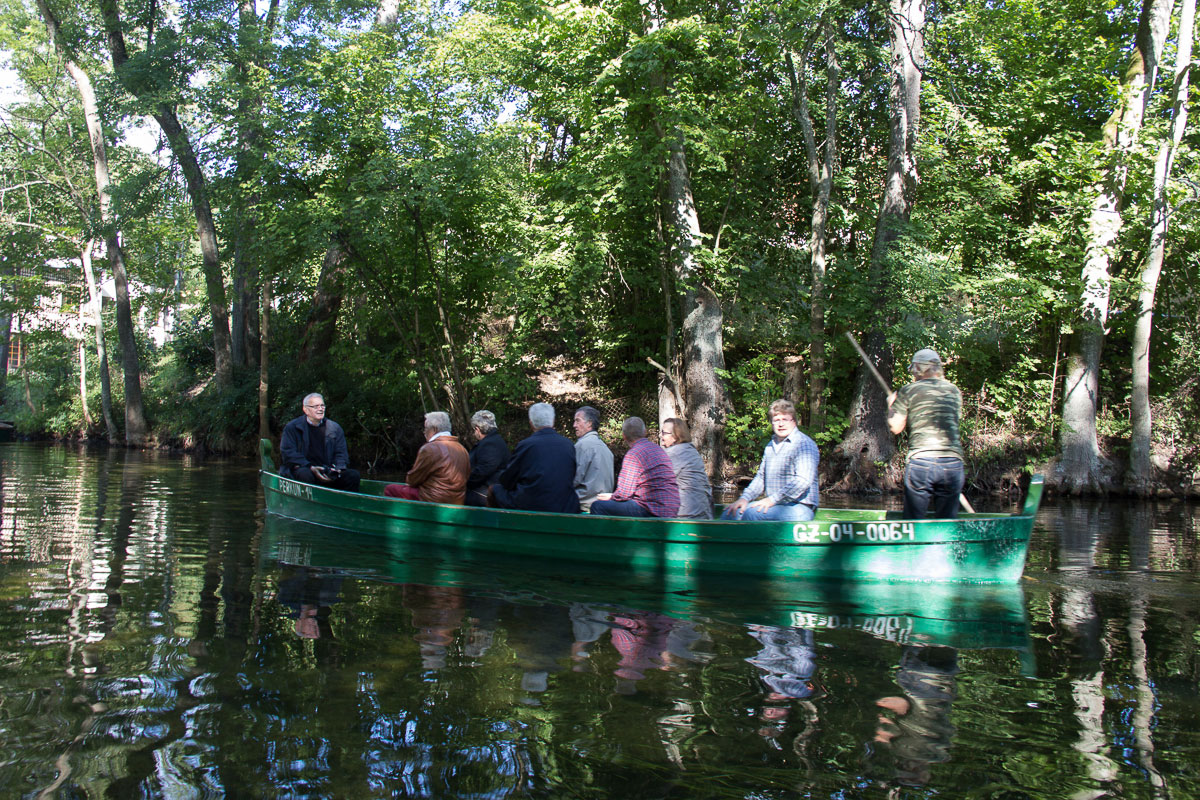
{"x": 839, "y": 543}
{"x": 948, "y": 614}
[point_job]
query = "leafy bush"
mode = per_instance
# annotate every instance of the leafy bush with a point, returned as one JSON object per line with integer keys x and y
{"x": 753, "y": 385}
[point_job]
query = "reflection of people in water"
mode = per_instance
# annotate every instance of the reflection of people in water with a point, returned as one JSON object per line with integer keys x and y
{"x": 437, "y": 612}
{"x": 916, "y": 727}
{"x": 588, "y": 624}
{"x": 540, "y": 636}
{"x": 311, "y": 594}
{"x": 641, "y": 639}
{"x": 480, "y": 631}
{"x": 787, "y": 659}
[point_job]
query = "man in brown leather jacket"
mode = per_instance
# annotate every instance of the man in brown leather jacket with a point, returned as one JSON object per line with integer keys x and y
{"x": 439, "y": 475}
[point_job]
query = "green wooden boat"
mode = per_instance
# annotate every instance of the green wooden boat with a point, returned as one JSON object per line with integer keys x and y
{"x": 968, "y": 616}
{"x": 839, "y": 543}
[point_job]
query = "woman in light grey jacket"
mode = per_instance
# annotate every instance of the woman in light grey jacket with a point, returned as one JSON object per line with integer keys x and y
{"x": 695, "y": 492}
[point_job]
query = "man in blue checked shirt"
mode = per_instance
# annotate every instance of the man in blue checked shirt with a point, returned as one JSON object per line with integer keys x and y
{"x": 786, "y": 486}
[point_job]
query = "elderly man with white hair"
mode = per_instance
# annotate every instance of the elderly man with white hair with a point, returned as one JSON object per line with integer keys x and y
{"x": 488, "y": 457}
{"x": 593, "y": 459}
{"x": 929, "y": 408}
{"x": 439, "y": 475}
{"x": 540, "y": 476}
{"x": 314, "y": 449}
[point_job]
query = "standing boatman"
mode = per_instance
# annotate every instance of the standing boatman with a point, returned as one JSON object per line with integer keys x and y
{"x": 930, "y": 408}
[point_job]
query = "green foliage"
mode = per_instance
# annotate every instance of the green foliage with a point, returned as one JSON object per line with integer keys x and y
{"x": 493, "y": 178}
{"x": 753, "y": 385}
{"x": 46, "y": 380}
{"x": 225, "y": 421}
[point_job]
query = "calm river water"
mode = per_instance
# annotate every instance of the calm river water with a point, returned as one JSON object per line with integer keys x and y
{"x": 159, "y": 637}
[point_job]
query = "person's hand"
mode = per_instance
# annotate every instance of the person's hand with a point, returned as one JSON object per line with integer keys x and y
{"x": 891, "y": 398}
{"x": 762, "y": 504}
{"x": 739, "y": 505}
{"x": 604, "y": 496}
{"x": 319, "y": 474}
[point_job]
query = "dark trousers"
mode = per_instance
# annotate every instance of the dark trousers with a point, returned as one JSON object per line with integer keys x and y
{"x": 477, "y": 497}
{"x": 347, "y": 481}
{"x": 932, "y": 482}
{"x": 618, "y": 508}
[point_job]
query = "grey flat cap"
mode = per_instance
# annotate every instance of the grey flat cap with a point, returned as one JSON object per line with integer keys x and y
{"x": 927, "y": 356}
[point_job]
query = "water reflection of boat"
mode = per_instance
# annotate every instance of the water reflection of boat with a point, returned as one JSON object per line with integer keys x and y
{"x": 839, "y": 543}
{"x": 954, "y": 615}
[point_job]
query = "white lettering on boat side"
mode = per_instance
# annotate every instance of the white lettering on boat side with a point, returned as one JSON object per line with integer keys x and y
{"x": 893, "y": 628}
{"x": 295, "y": 489}
{"x": 851, "y": 533}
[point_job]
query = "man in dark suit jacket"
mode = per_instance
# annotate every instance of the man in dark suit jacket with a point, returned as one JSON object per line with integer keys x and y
{"x": 488, "y": 457}
{"x": 541, "y": 473}
{"x": 314, "y": 449}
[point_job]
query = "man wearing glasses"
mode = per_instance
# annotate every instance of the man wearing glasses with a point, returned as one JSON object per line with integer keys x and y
{"x": 314, "y": 449}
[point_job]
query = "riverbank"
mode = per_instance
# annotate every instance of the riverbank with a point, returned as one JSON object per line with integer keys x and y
{"x": 997, "y": 467}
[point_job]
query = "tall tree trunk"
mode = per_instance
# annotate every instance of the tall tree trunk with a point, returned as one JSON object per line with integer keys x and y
{"x": 250, "y": 318}
{"x": 702, "y": 350}
{"x": 1080, "y": 461}
{"x": 820, "y": 178}
{"x": 181, "y": 148}
{"x": 244, "y": 318}
{"x": 457, "y": 391}
{"x": 5, "y": 340}
{"x": 322, "y": 319}
{"x": 670, "y": 400}
{"x": 87, "y": 415}
{"x": 135, "y": 415}
{"x": 28, "y": 391}
{"x": 1140, "y": 471}
{"x": 237, "y": 314}
{"x": 97, "y": 303}
{"x": 264, "y": 407}
{"x": 321, "y": 327}
{"x": 869, "y": 440}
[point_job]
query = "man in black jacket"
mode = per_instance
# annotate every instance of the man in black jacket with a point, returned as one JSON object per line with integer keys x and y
{"x": 314, "y": 449}
{"x": 488, "y": 457}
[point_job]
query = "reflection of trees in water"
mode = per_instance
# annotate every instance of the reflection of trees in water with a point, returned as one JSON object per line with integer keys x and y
{"x": 78, "y": 576}
{"x": 429, "y": 689}
{"x": 1101, "y": 662}
{"x": 1143, "y": 714}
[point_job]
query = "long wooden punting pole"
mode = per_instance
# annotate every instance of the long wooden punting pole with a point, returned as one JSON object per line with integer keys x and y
{"x": 887, "y": 391}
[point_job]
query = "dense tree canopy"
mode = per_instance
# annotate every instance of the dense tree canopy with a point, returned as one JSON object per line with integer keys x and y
{"x": 467, "y": 205}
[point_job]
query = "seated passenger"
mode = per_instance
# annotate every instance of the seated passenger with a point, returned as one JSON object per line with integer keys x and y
{"x": 695, "y": 492}
{"x": 314, "y": 449}
{"x": 593, "y": 459}
{"x": 488, "y": 457}
{"x": 646, "y": 486}
{"x": 439, "y": 475}
{"x": 786, "y": 486}
{"x": 541, "y": 473}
